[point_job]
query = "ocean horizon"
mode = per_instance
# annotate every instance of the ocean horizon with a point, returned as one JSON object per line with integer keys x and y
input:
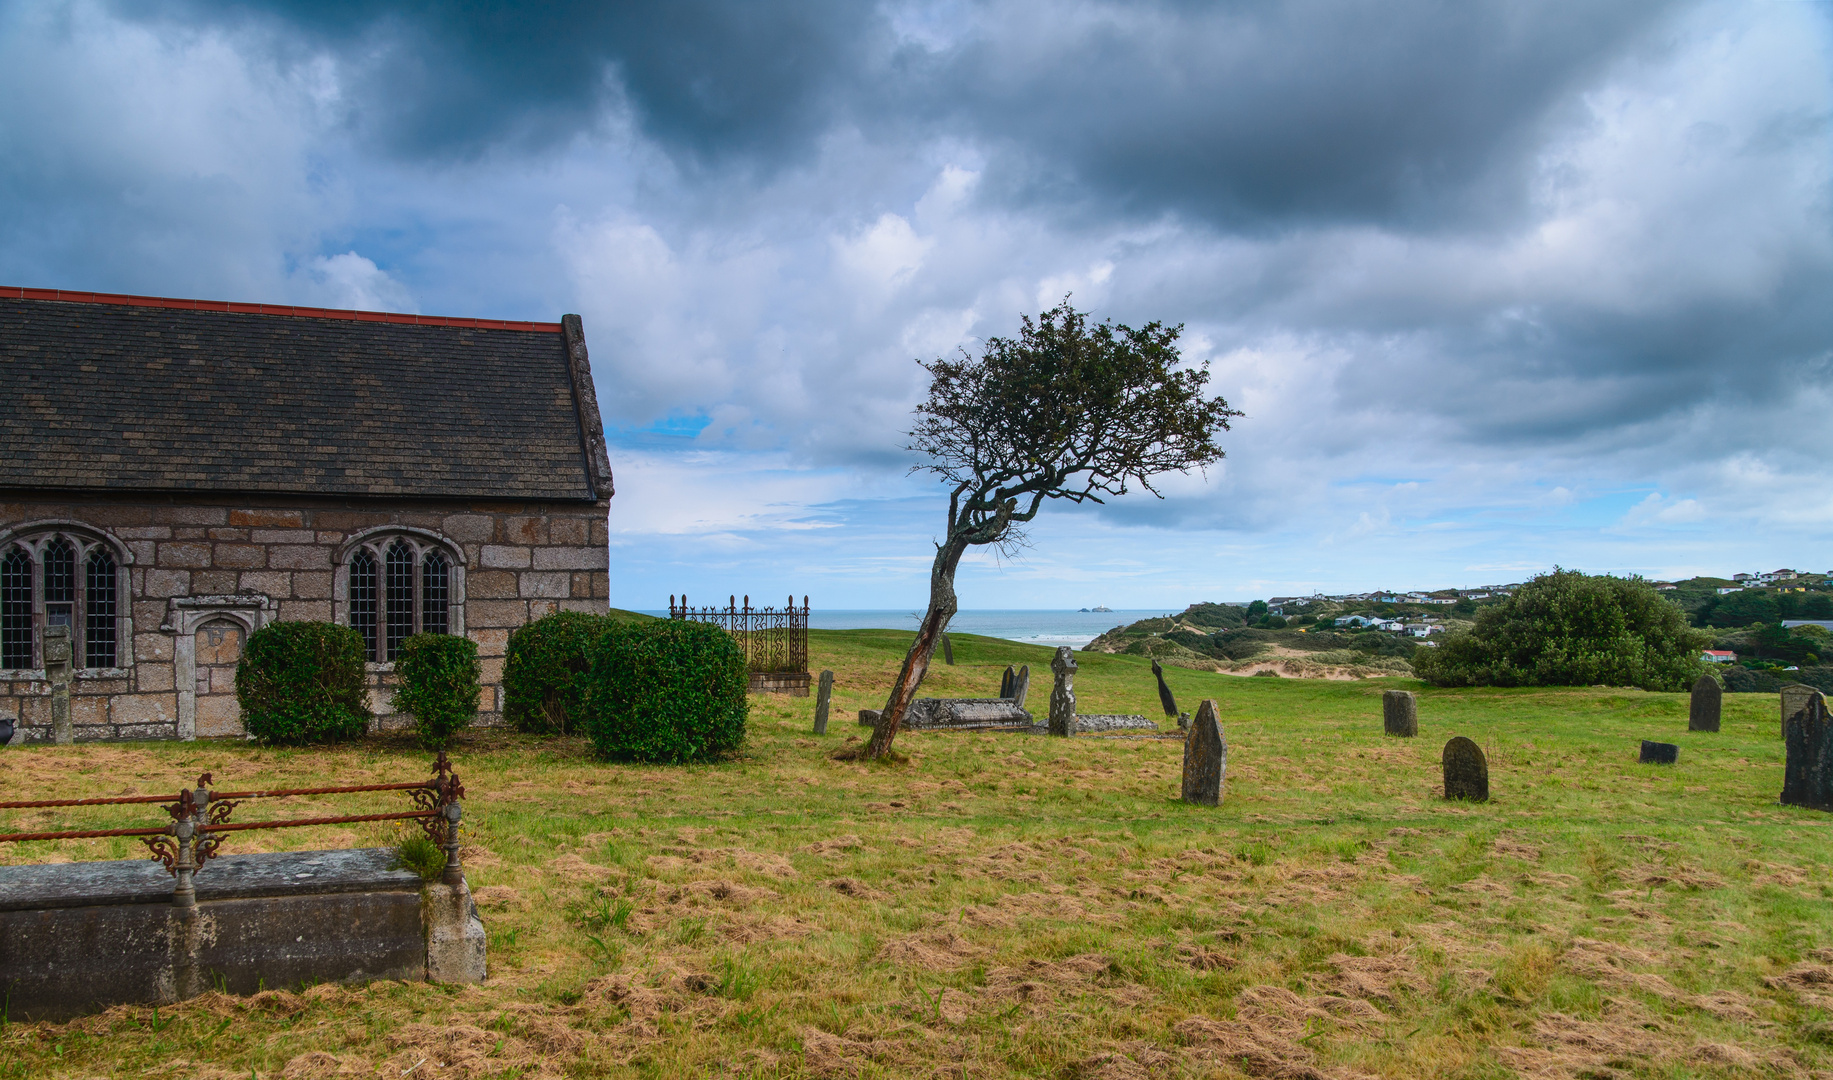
{"x": 1032, "y": 627}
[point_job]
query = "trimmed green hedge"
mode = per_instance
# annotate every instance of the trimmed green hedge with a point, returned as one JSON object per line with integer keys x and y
{"x": 543, "y": 678}
{"x": 303, "y": 682}
{"x": 438, "y": 683}
{"x": 668, "y": 691}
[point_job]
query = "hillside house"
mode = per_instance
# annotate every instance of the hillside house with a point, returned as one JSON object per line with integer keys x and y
{"x": 176, "y": 474}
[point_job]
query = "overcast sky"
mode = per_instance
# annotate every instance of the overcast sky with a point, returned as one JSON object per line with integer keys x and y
{"x": 1497, "y": 285}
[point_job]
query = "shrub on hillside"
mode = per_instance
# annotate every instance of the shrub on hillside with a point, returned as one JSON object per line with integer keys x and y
{"x": 303, "y": 682}
{"x": 437, "y": 681}
{"x": 543, "y": 678}
{"x": 1567, "y": 628}
{"x": 668, "y": 691}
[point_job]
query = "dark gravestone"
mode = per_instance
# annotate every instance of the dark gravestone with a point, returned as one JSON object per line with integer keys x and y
{"x": 1165, "y": 700}
{"x": 1063, "y": 696}
{"x": 1205, "y": 757}
{"x": 1021, "y": 685}
{"x": 1807, "y": 773}
{"x": 948, "y": 651}
{"x": 1704, "y": 705}
{"x": 822, "y": 698}
{"x": 1659, "y": 753}
{"x": 1794, "y": 697}
{"x": 1400, "y": 713}
{"x": 1466, "y": 771}
{"x": 1007, "y": 682}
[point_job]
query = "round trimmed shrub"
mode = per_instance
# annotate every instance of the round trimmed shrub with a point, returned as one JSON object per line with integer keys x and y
{"x": 303, "y": 682}
{"x": 438, "y": 683}
{"x": 544, "y": 677}
{"x": 667, "y": 691}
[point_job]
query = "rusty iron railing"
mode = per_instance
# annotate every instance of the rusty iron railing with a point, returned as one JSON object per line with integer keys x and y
{"x": 775, "y": 641}
{"x": 200, "y": 818}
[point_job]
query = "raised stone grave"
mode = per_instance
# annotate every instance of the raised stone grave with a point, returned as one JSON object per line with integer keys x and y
{"x": 1087, "y": 723}
{"x": 1807, "y": 771}
{"x": 1659, "y": 753}
{"x": 1063, "y": 695}
{"x": 1205, "y": 757}
{"x": 824, "y": 697}
{"x": 1466, "y": 771}
{"x": 79, "y": 937}
{"x": 959, "y": 714}
{"x": 1400, "y": 713}
{"x": 1794, "y": 697}
{"x": 1704, "y": 704}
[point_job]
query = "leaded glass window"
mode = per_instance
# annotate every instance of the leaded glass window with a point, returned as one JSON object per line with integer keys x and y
{"x": 61, "y": 577}
{"x": 100, "y": 597}
{"x": 400, "y": 596}
{"x": 16, "y": 609}
{"x": 398, "y": 585}
{"x": 434, "y": 592}
{"x": 363, "y": 599}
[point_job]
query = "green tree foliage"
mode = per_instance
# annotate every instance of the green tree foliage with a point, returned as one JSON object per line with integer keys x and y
{"x": 1218, "y": 616}
{"x": 543, "y": 678}
{"x": 438, "y": 683}
{"x": 1567, "y": 628}
{"x": 1255, "y": 610}
{"x": 303, "y": 682}
{"x": 1743, "y": 609}
{"x": 667, "y": 691}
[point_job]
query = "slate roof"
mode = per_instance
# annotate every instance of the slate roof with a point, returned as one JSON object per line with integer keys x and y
{"x": 139, "y": 394}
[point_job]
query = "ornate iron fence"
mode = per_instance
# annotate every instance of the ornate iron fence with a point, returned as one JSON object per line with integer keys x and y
{"x": 775, "y": 640}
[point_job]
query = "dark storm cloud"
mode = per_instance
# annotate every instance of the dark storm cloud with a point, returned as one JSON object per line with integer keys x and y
{"x": 713, "y": 78}
{"x": 1245, "y": 114}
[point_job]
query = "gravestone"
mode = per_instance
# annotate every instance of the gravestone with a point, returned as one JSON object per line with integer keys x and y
{"x": 948, "y": 651}
{"x": 1704, "y": 705}
{"x": 58, "y": 658}
{"x": 1165, "y": 700}
{"x": 1794, "y": 696}
{"x": 1466, "y": 771}
{"x": 1807, "y": 772}
{"x": 1063, "y": 696}
{"x": 1007, "y": 682}
{"x": 1205, "y": 757}
{"x": 822, "y": 697}
{"x": 1659, "y": 753}
{"x": 1400, "y": 713}
{"x": 1021, "y": 685}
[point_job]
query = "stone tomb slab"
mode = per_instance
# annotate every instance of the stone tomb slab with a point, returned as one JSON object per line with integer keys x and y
{"x": 1466, "y": 771}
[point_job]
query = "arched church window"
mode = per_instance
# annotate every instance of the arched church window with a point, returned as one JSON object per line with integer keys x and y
{"x": 60, "y": 577}
{"x": 398, "y": 585}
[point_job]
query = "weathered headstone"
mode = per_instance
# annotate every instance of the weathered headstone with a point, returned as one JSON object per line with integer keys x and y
{"x": 823, "y": 696}
{"x": 1165, "y": 700}
{"x": 1466, "y": 771}
{"x": 1659, "y": 753}
{"x": 58, "y": 657}
{"x": 1807, "y": 772}
{"x": 1205, "y": 757}
{"x": 1021, "y": 685}
{"x": 1007, "y": 681}
{"x": 1794, "y": 697}
{"x": 1063, "y": 696}
{"x": 1400, "y": 713}
{"x": 1704, "y": 705}
{"x": 948, "y": 651}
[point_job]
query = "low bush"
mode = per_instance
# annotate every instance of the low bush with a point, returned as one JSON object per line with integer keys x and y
{"x": 1567, "y": 628}
{"x": 303, "y": 682}
{"x": 438, "y": 677}
{"x": 668, "y": 691}
{"x": 543, "y": 678}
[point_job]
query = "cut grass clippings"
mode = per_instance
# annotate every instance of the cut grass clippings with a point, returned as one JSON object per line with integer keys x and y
{"x": 1013, "y": 905}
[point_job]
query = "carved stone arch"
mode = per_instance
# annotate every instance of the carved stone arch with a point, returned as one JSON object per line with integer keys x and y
{"x": 33, "y": 536}
{"x": 374, "y": 537}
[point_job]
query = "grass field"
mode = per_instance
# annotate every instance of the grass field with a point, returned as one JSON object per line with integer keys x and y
{"x": 1014, "y": 905}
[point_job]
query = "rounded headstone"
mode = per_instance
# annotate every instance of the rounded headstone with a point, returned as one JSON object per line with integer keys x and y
{"x": 1807, "y": 769}
{"x": 1400, "y": 713}
{"x": 1466, "y": 771}
{"x": 1704, "y": 704}
{"x": 1659, "y": 753}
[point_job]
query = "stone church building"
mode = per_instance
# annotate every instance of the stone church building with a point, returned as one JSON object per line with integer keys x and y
{"x": 176, "y": 474}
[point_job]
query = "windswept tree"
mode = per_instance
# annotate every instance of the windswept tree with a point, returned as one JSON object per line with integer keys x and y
{"x": 1069, "y": 410}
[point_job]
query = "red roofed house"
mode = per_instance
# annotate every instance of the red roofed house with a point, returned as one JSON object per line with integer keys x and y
{"x": 175, "y": 474}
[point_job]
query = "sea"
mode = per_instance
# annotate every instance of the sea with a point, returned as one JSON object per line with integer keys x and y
{"x": 1049, "y": 628}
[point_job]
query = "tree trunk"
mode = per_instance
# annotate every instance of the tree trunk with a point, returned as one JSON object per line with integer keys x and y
{"x": 942, "y": 604}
